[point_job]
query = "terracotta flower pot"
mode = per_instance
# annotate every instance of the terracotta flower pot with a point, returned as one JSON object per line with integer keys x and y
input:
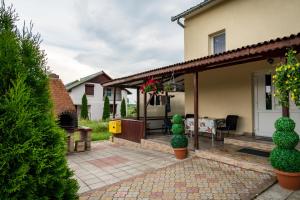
{"x": 288, "y": 180}
{"x": 180, "y": 153}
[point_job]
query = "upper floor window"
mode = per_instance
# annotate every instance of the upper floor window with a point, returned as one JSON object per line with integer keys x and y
{"x": 218, "y": 44}
{"x": 89, "y": 89}
{"x": 108, "y": 92}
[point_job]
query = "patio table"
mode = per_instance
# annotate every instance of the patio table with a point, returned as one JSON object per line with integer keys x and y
{"x": 206, "y": 125}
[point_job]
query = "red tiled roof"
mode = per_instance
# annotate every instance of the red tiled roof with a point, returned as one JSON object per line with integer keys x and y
{"x": 62, "y": 102}
{"x": 249, "y": 52}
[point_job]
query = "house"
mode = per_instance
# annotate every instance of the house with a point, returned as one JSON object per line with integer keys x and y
{"x": 63, "y": 107}
{"x": 92, "y": 86}
{"x": 231, "y": 48}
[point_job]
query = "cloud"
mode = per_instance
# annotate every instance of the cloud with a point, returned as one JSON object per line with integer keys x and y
{"x": 120, "y": 37}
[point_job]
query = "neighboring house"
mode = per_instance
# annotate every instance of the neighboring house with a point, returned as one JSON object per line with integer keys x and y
{"x": 231, "y": 48}
{"x": 95, "y": 92}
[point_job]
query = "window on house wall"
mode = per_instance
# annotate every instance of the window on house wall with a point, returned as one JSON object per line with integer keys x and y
{"x": 218, "y": 43}
{"x": 108, "y": 92}
{"x": 268, "y": 91}
{"x": 89, "y": 89}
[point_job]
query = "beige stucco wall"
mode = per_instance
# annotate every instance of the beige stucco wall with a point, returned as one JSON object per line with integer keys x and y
{"x": 245, "y": 22}
{"x": 177, "y": 105}
{"x": 226, "y": 91}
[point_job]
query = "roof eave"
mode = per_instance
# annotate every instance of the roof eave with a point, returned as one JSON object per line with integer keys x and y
{"x": 196, "y": 9}
{"x": 273, "y": 45}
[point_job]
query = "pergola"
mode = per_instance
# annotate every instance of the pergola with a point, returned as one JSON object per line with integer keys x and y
{"x": 256, "y": 52}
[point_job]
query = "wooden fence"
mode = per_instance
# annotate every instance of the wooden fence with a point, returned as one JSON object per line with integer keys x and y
{"x": 132, "y": 130}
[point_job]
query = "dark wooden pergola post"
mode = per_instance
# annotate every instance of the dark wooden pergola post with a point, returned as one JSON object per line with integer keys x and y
{"x": 114, "y": 102}
{"x": 145, "y": 115}
{"x": 137, "y": 104}
{"x": 196, "y": 111}
{"x": 166, "y": 114}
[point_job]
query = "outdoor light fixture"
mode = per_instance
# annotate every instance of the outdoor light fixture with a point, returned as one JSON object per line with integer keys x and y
{"x": 270, "y": 61}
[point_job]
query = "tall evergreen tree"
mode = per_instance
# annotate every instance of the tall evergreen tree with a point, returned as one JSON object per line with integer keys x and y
{"x": 123, "y": 108}
{"x": 106, "y": 111}
{"x": 32, "y": 146}
{"x": 84, "y": 114}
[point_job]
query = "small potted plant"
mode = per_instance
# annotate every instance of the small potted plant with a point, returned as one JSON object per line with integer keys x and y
{"x": 284, "y": 157}
{"x": 179, "y": 141}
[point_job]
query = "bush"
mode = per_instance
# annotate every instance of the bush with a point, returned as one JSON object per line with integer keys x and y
{"x": 177, "y": 129}
{"x": 99, "y": 129}
{"x": 84, "y": 113}
{"x": 178, "y": 139}
{"x": 32, "y": 148}
{"x": 290, "y": 140}
{"x": 131, "y": 110}
{"x": 123, "y": 108}
{"x": 285, "y": 157}
{"x": 285, "y": 124}
{"x": 287, "y": 160}
{"x": 106, "y": 111}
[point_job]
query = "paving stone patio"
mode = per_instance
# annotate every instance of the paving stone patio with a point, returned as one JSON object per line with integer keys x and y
{"x": 194, "y": 178}
{"x": 109, "y": 163}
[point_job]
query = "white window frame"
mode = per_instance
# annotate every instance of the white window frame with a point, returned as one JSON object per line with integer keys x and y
{"x": 211, "y": 39}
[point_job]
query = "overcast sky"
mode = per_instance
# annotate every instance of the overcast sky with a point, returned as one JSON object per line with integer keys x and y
{"x": 121, "y": 37}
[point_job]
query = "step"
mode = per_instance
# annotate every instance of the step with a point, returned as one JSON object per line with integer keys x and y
{"x": 250, "y": 142}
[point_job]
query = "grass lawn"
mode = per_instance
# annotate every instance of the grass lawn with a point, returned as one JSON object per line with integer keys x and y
{"x": 100, "y": 130}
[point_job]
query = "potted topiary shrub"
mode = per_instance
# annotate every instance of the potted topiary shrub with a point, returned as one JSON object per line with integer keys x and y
{"x": 179, "y": 141}
{"x": 284, "y": 157}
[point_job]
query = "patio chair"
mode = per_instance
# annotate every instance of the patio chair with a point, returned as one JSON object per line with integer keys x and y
{"x": 167, "y": 126}
{"x": 226, "y": 125}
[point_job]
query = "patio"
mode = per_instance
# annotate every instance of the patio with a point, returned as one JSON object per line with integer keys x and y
{"x": 112, "y": 171}
{"x": 227, "y": 151}
{"x": 109, "y": 163}
{"x": 193, "y": 178}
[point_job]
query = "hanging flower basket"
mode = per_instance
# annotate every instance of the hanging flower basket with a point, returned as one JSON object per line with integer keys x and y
{"x": 151, "y": 86}
{"x": 168, "y": 87}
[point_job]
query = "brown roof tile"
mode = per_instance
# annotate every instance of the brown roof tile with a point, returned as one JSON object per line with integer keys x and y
{"x": 255, "y": 51}
{"x": 62, "y": 102}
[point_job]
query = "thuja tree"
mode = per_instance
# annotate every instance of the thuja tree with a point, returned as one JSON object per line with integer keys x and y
{"x": 32, "y": 146}
{"x": 106, "y": 111}
{"x": 284, "y": 156}
{"x": 84, "y": 108}
{"x": 123, "y": 108}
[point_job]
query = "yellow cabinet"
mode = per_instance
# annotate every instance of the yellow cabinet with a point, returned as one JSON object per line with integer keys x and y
{"x": 114, "y": 126}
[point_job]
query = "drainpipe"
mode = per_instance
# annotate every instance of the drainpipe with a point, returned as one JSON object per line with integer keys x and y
{"x": 180, "y": 23}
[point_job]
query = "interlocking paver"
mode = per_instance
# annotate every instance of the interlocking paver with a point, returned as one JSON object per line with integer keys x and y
{"x": 194, "y": 178}
{"x": 108, "y": 163}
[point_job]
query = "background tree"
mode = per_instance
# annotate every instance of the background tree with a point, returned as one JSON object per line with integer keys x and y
{"x": 84, "y": 114}
{"x": 32, "y": 147}
{"x": 123, "y": 108}
{"x": 106, "y": 111}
